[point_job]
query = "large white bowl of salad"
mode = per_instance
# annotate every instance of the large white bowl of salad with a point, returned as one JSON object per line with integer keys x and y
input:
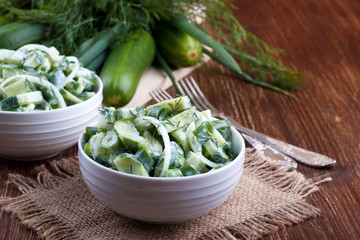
{"x": 164, "y": 163}
{"x": 46, "y": 100}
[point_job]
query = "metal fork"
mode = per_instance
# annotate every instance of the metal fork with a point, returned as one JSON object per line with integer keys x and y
{"x": 188, "y": 86}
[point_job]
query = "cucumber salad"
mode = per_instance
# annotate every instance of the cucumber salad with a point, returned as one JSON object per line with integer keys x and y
{"x": 37, "y": 78}
{"x": 168, "y": 139}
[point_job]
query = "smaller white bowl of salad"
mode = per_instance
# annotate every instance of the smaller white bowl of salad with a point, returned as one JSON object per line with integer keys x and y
{"x": 164, "y": 163}
{"x": 46, "y": 100}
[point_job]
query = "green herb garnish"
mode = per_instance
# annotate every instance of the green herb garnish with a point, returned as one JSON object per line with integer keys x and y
{"x": 72, "y": 23}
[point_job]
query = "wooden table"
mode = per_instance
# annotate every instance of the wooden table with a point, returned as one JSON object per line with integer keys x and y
{"x": 322, "y": 39}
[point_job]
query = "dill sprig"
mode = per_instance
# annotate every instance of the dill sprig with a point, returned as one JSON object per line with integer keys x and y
{"x": 72, "y": 22}
{"x": 254, "y": 55}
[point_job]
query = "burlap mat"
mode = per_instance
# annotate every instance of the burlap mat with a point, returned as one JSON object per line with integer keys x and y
{"x": 57, "y": 205}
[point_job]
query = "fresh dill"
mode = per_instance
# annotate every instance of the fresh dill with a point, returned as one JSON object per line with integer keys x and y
{"x": 174, "y": 108}
{"x": 71, "y": 23}
{"x": 168, "y": 122}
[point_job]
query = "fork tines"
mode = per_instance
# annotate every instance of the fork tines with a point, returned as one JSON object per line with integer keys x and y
{"x": 188, "y": 86}
{"x": 160, "y": 95}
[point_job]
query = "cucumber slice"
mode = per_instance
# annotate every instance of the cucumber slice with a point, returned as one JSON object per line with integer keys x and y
{"x": 204, "y": 132}
{"x": 96, "y": 150}
{"x": 11, "y": 57}
{"x": 33, "y": 59}
{"x": 76, "y": 67}
{"x": 45, "y": 66}
{"x": 36, "y": 80}
{"x": 130, "y": 136}
{"x": 74, "y": 87}
{"x": 194, "y": 160}
{"x": 8, "y": 72}
{"x": 188, "y": 170}
{"x": 13, "y": 102}
{"x": 181, "y": 136}
{"x": 222, "y": 142}
{"x": 173, "y": 173}
{"x": 176, "y": 159}
{"x": 26, "y": 108}
{"x": 51, "y": 52}
{"x": 126, "y": 128}
{"x": 111, "y": 140}
{"x": 158, "y": 112}
{"x": 213, "y": 143}
{"x": 218, "y": 137}
{"x": 29, "y": 107}
{"x": 108, "y": 116}
{"x": 129, "y": 113}
{"x": 100, "y": 154}
{"x": 86, "y": 84}
{"x": 155, "y": 147}
{"x": 86, "y": 95}
{"x": 214, "y": 152}
{"x": 57, "y": 77}
{"x": 70, "y": 98}
{"x": 128, "y": 163}
{"x": 207, "y": 115}
{"x": 174, "y": 105}
{"x": 105, "y": 120}
{"x": 87, "y": 150}
{"x": 177, "y": 156}
{"x": 104, "y": 147}
{"x": 223, "y": 127}
{"x": 144, "y": 157}
{"x": 30, "y": 97}
{"x": 165, "y": 137}
{"x": 90, "y": 131}
{"x": 17, "y": 87}
{"x": 182, "y": 119}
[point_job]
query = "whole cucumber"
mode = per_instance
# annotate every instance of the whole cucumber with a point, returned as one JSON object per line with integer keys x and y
{"x": 124, "y": 67}
{"x": 179, "y": 49}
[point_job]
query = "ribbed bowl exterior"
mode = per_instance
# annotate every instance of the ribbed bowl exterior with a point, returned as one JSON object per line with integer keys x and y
{"x": 162, "y": 200}
{"x": 37, "y": 135}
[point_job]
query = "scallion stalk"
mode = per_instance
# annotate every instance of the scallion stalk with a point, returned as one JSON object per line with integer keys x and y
{"x": 167, "y": 69}
{"x": 247, "y": 77}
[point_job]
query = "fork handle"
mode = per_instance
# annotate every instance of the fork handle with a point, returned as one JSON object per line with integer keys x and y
{"x": 306, "y": 157}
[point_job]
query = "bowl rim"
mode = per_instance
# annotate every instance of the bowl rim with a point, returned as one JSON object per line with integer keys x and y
{"x": 99, "y": 91}
{"x": 42, "y": 123}
{"x": 165, "y": 179}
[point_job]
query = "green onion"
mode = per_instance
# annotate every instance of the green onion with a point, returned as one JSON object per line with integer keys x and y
{"x": 167, "y": 69}
{"x": 100, "y": 45}
{"x": 246, "y": 76}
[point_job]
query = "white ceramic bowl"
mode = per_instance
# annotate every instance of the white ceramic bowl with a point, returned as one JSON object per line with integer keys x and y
{"x": 39, "y": 135}
{"x": 162, "y": 200}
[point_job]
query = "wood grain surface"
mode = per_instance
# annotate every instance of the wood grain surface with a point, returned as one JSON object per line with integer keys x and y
{"x": 322, "y": 39}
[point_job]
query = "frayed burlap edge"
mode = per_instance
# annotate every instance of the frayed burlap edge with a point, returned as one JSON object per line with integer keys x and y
{"x": 48, "y": 226}
{"x": 45, "y": 224}
{"x": 279, "y": 177}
